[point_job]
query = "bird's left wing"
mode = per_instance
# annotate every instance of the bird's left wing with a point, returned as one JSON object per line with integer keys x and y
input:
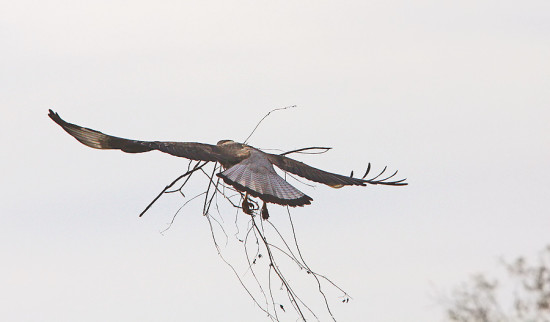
{"x": 99, "y": 140}
{"x": 331, "y": 179}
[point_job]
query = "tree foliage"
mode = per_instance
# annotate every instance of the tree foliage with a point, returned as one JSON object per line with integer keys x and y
{"x": 523, "y": 296}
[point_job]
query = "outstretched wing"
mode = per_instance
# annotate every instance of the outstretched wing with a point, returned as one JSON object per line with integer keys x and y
{"x": 331, "y": 179}
{"x": 98, "y": 140}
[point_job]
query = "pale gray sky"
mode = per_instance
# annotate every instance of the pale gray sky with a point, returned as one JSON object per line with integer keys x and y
{"x": 453, "y": 94}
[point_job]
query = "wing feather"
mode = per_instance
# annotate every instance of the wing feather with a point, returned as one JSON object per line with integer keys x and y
{"x": 331, "y": 179}
{"x": 305, "y": 171}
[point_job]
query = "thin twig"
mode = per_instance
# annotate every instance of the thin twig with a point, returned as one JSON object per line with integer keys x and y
{"x": 177, "y": 212}
{"x": 250, "y": 264}
{"x": 273, "y": 110}
{"x": 206, "y": 206}
{"x": 188, "y": 173}
{"x": 293, "y": 297}
{"x": 235, "y": 272}
{"x": 303, "y": 261}
{"x": 324, "y": 150}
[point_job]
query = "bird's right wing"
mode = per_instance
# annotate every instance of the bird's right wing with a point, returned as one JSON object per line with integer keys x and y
{"x": 331, "y": 179}
{"x": 98, "y": 140}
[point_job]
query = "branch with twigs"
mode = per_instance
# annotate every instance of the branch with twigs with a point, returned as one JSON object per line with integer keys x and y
{"x": 257, "y": 234}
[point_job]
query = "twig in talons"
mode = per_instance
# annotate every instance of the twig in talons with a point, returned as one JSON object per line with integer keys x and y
{"x": 258, "y": 232}
{"x": 248, "y": 208}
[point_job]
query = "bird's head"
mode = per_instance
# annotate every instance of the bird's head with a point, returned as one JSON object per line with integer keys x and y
{"x": 225, "y": 142}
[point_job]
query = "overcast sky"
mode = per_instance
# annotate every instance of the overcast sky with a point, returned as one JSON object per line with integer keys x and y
{"x": 453, "y": 94}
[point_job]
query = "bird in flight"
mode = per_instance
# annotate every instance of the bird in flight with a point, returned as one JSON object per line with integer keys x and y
{"x": 246, "y": 168}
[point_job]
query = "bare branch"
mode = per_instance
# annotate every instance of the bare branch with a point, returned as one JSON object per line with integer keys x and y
{"x": 188, "y": 173}
{"x": 273, "y": 110}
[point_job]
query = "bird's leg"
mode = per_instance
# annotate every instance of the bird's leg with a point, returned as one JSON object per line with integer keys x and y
{"x": 265, "y": 213}
{"x": 247, "y": 206}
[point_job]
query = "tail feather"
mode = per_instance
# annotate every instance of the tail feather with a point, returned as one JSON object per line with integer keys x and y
{"x": 257, "y": 177}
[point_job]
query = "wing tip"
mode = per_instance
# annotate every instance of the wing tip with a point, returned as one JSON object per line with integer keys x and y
{"x": 55, "y": 117}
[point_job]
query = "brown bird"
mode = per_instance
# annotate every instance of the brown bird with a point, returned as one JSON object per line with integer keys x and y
{"x": 246, "y": 168}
